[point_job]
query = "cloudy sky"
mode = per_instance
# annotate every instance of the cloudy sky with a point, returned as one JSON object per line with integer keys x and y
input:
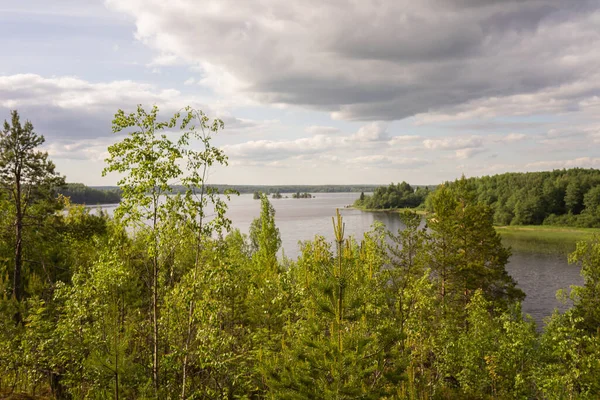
{"x": 313, "y": 91}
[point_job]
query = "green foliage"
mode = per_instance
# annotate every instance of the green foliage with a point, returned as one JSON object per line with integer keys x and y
{"x": 331, "y": 349}
{"x": 468, "y": 253}
{"x": 559, "y": 197}
{"x": 401, "y": 195}
{"x": 570, "y": 360}
{"x": 304, "y": 195}
{"x": 586, "y": 299}
{"x": 160, "y": 303}
{"x": 264, "y": 236}
{"x": 27, "y": 177}
{"x": 151, "y": 163}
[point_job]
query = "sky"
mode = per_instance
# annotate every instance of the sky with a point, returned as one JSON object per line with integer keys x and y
{"x": 315, "y": 91}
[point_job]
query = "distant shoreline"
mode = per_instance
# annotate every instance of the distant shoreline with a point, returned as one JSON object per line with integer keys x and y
{"x": 387, "y": 210}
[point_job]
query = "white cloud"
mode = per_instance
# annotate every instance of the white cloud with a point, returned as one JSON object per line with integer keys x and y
{"x": 386, "y": 161}
{"x": 580, "y": 162}
{"x": 404, "y": 139}
{"x": 455, "y": 63}
{"x": 463, "y": 154}
{"x": 164, "y": 60}
{"x": 512, "y": 138}
{"x": 453, "y": 143}
{"x": 373, "y": 132}
{"x": 279, "y": 150}
{"x": 91, "y": 150}
{"x": 322, "y": 130}
{"x": 70, "y": 107}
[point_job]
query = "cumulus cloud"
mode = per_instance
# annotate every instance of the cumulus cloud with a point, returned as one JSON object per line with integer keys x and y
{"x": 279, "y": 150}
{"x": 463, "y": 154}
{"x": 73, "y": 108}
{"x": 580, "y": 162}
{"x": 453, "y": 143}
{"x": 403, "y": 139}
{"x": 386, "y": 161}
{"x": 322, "y": 130}
{"x": 373, "y": 132}
{"x": 468, "y": 59}
{"x": 373, "y": 137}
{"x": 93, "y": 150}
{"x": 510, "y": 138}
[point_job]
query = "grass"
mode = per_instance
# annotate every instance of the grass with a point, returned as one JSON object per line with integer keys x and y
{"x": 544, "y": 238}
{"x": 527, "y": 238}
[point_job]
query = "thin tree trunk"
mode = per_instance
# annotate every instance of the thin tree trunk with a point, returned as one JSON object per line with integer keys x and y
{"x": 186, "y": 350}
{"x": 17, "y": 277}
{"x": 117, "y": 328}
{"x": 155, "y": 299}
{"x": 191, "y": 307}
{"x": 155, "y": 326}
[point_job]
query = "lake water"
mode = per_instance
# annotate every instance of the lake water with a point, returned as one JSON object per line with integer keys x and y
{"x": 538, "y": 274}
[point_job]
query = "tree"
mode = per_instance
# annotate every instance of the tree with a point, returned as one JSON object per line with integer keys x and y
{"x": 152, "y": 164}
{"x": 331, "y": 349}
{"x": 586, "y": 298}
{"x": 264, "y": 236}
{"x": 574, "y": 197}
{"x": 26, "y": 175}
{"x": 468, "y": 253}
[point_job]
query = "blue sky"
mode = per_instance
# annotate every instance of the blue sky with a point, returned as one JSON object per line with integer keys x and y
{"x": 316, "y": 92}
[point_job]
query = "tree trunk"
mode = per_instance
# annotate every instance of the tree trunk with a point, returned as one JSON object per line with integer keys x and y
{"x": 155, "y": 326}
{"x": 58, "y": 390}
{"x": 17, "y": 277}
{"x": 155, "y": 296}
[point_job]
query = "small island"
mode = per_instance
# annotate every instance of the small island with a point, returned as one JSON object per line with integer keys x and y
{"x": 299, "y": 195}
{"x": 393, "y": 197}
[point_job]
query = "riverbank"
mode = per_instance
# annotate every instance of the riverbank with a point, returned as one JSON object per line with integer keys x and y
{"x": 388, "y": 210}
{"x": 544, "y": 238}
{"x": 560, "y": 240}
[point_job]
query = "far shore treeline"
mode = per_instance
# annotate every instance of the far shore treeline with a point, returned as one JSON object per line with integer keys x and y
{"x": 567, "y": 197}
{"x": 165, "y": 300}
{"x": 78, "y": 193}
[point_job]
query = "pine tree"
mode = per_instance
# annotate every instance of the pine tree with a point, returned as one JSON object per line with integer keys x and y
{"x": 26, "y": 175}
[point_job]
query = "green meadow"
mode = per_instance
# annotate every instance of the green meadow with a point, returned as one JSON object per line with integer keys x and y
{"x": 546, "y": 239}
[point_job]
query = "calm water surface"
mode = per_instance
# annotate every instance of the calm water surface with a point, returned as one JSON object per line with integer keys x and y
{"x": 538, "y": 274}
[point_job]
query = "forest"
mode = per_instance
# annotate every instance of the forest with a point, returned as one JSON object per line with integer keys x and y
{"x": 401, "y": 195}
{"x": 79, "y": 193}
{"x": 164, "y": 301}
{"x": 561, "y": 197}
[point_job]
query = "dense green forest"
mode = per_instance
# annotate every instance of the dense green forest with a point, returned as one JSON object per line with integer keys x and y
{"x": 78, "y": 193}
{"x": 560, "y": 197}
{"x": 162, "y": 302}
{"x": 401, "y": 195}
